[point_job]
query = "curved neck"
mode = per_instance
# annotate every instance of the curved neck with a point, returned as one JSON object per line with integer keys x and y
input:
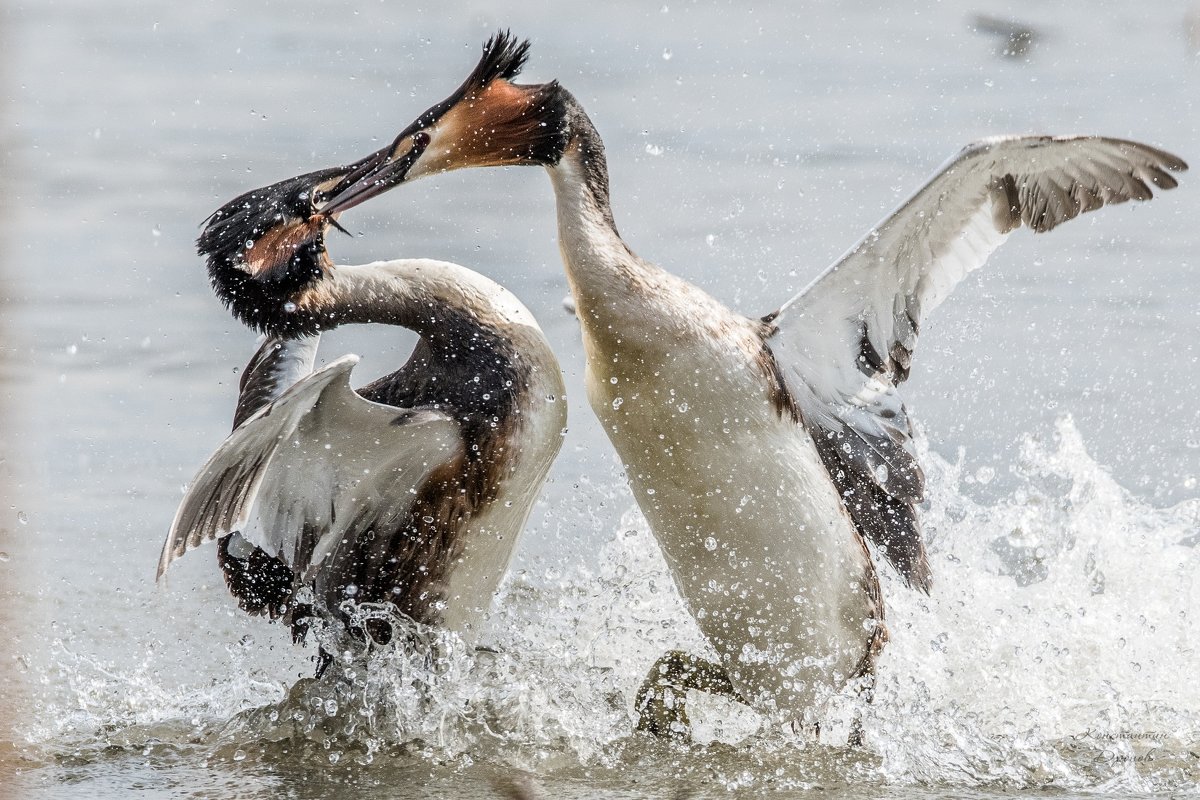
{"x": 445, "y": 304}
{"x": 479, "y": 350}
{"x": 600, "y": 266}
{"x": 583, "y": 167}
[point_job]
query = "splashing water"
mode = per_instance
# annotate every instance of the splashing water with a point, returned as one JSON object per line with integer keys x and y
{"x": 1056, "y": 649}
{"x": 1053, "y": 647}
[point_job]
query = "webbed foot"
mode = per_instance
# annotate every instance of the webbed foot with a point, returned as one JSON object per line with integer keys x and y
{"x": 662, "y": 699}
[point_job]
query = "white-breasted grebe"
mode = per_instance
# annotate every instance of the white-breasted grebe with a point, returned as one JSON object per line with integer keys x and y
{"x": 764, "y": 452}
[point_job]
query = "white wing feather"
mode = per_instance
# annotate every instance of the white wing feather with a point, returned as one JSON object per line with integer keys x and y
{"x": 846, "y": 342}
{"x": 291, "y": 479}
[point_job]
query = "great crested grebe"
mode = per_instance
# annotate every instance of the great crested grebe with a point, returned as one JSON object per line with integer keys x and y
{"x": 764, "y": 452}
{"x": 409, "y": 493}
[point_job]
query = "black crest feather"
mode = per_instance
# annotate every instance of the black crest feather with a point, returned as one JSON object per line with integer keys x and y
{"x": 503, "y": 57}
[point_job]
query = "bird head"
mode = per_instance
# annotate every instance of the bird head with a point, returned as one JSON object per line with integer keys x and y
{"x": 268, "y": 244}
{"x": 489, "y": 121}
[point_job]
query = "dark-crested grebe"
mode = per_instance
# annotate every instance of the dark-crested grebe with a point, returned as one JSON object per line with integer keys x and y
{"x": 410, "y": 492}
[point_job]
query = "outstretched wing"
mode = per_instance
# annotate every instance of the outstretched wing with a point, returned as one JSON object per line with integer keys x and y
{"x": 845, "y": 343}
{"x": 298, "y": 473}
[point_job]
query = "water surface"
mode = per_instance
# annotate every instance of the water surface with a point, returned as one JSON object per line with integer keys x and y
{"x": 1055, "y": 393}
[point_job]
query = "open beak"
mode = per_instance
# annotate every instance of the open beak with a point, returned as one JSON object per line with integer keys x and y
{"x": 377, "y": 173}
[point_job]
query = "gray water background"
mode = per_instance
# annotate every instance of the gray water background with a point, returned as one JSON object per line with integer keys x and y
{"x": 748, "y": 147}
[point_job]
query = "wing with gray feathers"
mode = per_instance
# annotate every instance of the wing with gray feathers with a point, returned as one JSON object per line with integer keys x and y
{"x": 294, "y": 476}
{"x": 276, "y": 366}
{"x": 846, "y": 342}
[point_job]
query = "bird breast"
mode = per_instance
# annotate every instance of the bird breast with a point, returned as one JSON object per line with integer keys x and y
{"x": 747, "y": 516}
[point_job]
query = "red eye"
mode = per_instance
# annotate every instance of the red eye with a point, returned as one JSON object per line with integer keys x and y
{"x": 420, "y": 139}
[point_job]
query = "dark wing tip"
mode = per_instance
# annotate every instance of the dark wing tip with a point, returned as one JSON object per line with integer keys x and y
{"x": 1118, "y": 170}
{"x": 919, "y": 576}
{"x": 1160, "y": 158}
{"x": 503, "y": 57}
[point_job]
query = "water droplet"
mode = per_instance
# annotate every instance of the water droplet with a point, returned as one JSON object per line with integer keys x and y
{"x": 881, "y": 474}
{"x": 3, "y": 557}
{"x": 667, "y": 54}
{"x": 710, "y": 544}
{"x": 289, "y": 307}
{"x": 239, "y": 755}
{"x": 985, "y": 475}
{"x": 331, "y": 707}
{"x": 710, "y": 240}
{"x": 618, "y": 402}
{"x": 613, "y": 381}
{"x": 22, "y": 518}
{"x": 249, "y": 243}
{"x": 654, "y": 150}
{"x": 351, "y": 590}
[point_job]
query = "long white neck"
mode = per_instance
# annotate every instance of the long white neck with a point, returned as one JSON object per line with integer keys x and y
{"x": 628, "y": 308}
{"x": 603, "y": 272}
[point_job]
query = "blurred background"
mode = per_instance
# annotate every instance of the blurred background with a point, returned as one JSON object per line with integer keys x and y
{"x": 748, "y": 148}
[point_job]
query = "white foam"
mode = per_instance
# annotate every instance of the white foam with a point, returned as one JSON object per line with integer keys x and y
{"x": 1058, "y": 647}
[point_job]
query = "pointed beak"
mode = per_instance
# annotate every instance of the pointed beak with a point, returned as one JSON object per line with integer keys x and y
{"x": 377, "y": 173}
{"x": 496, "y": 123}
